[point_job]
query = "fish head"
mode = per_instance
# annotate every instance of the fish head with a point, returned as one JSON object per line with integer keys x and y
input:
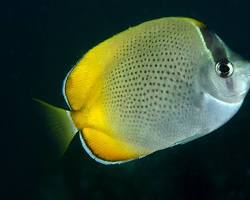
{"x": 226, "y": 76}
{"x": 230, "y": 79}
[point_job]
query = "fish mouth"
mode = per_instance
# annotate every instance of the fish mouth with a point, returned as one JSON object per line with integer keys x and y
{"x": 243, "y": 93}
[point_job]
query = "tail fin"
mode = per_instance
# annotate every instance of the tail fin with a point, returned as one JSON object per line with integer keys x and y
{"x": 59, "y": 125}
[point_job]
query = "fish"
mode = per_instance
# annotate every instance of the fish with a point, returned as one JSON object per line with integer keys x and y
{"x": 158, "y": 84}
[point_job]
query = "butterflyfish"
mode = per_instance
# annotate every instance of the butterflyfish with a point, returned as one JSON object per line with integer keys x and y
{"x": 155, "y": 85}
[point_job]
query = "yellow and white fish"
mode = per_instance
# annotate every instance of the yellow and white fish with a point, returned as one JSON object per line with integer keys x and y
{"x": 161, "y": 83}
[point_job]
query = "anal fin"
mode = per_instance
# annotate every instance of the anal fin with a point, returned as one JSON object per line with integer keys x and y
{"x": 106, "y": 149}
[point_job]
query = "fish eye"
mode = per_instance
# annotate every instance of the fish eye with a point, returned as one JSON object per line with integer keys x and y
{"x": 224, "y": 68}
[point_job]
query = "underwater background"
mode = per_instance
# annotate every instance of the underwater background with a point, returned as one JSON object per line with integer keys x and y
{"x": 42, "y": 40}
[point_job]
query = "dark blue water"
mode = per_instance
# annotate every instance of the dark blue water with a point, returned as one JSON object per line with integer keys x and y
{"x": 42, "y": 40}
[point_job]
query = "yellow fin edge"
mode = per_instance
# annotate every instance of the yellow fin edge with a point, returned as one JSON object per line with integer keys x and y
{"x": 105, "y": 149}
{"x": 194, "y": 21}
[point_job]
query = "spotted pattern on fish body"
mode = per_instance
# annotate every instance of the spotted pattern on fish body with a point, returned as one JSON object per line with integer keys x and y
{"x": 152, "y": 81}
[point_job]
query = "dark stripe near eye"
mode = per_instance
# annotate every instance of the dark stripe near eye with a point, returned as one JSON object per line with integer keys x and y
{"x": 214, "y": 45}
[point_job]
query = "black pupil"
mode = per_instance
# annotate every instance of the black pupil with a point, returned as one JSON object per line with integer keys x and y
{"x": 224, "y": 68}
